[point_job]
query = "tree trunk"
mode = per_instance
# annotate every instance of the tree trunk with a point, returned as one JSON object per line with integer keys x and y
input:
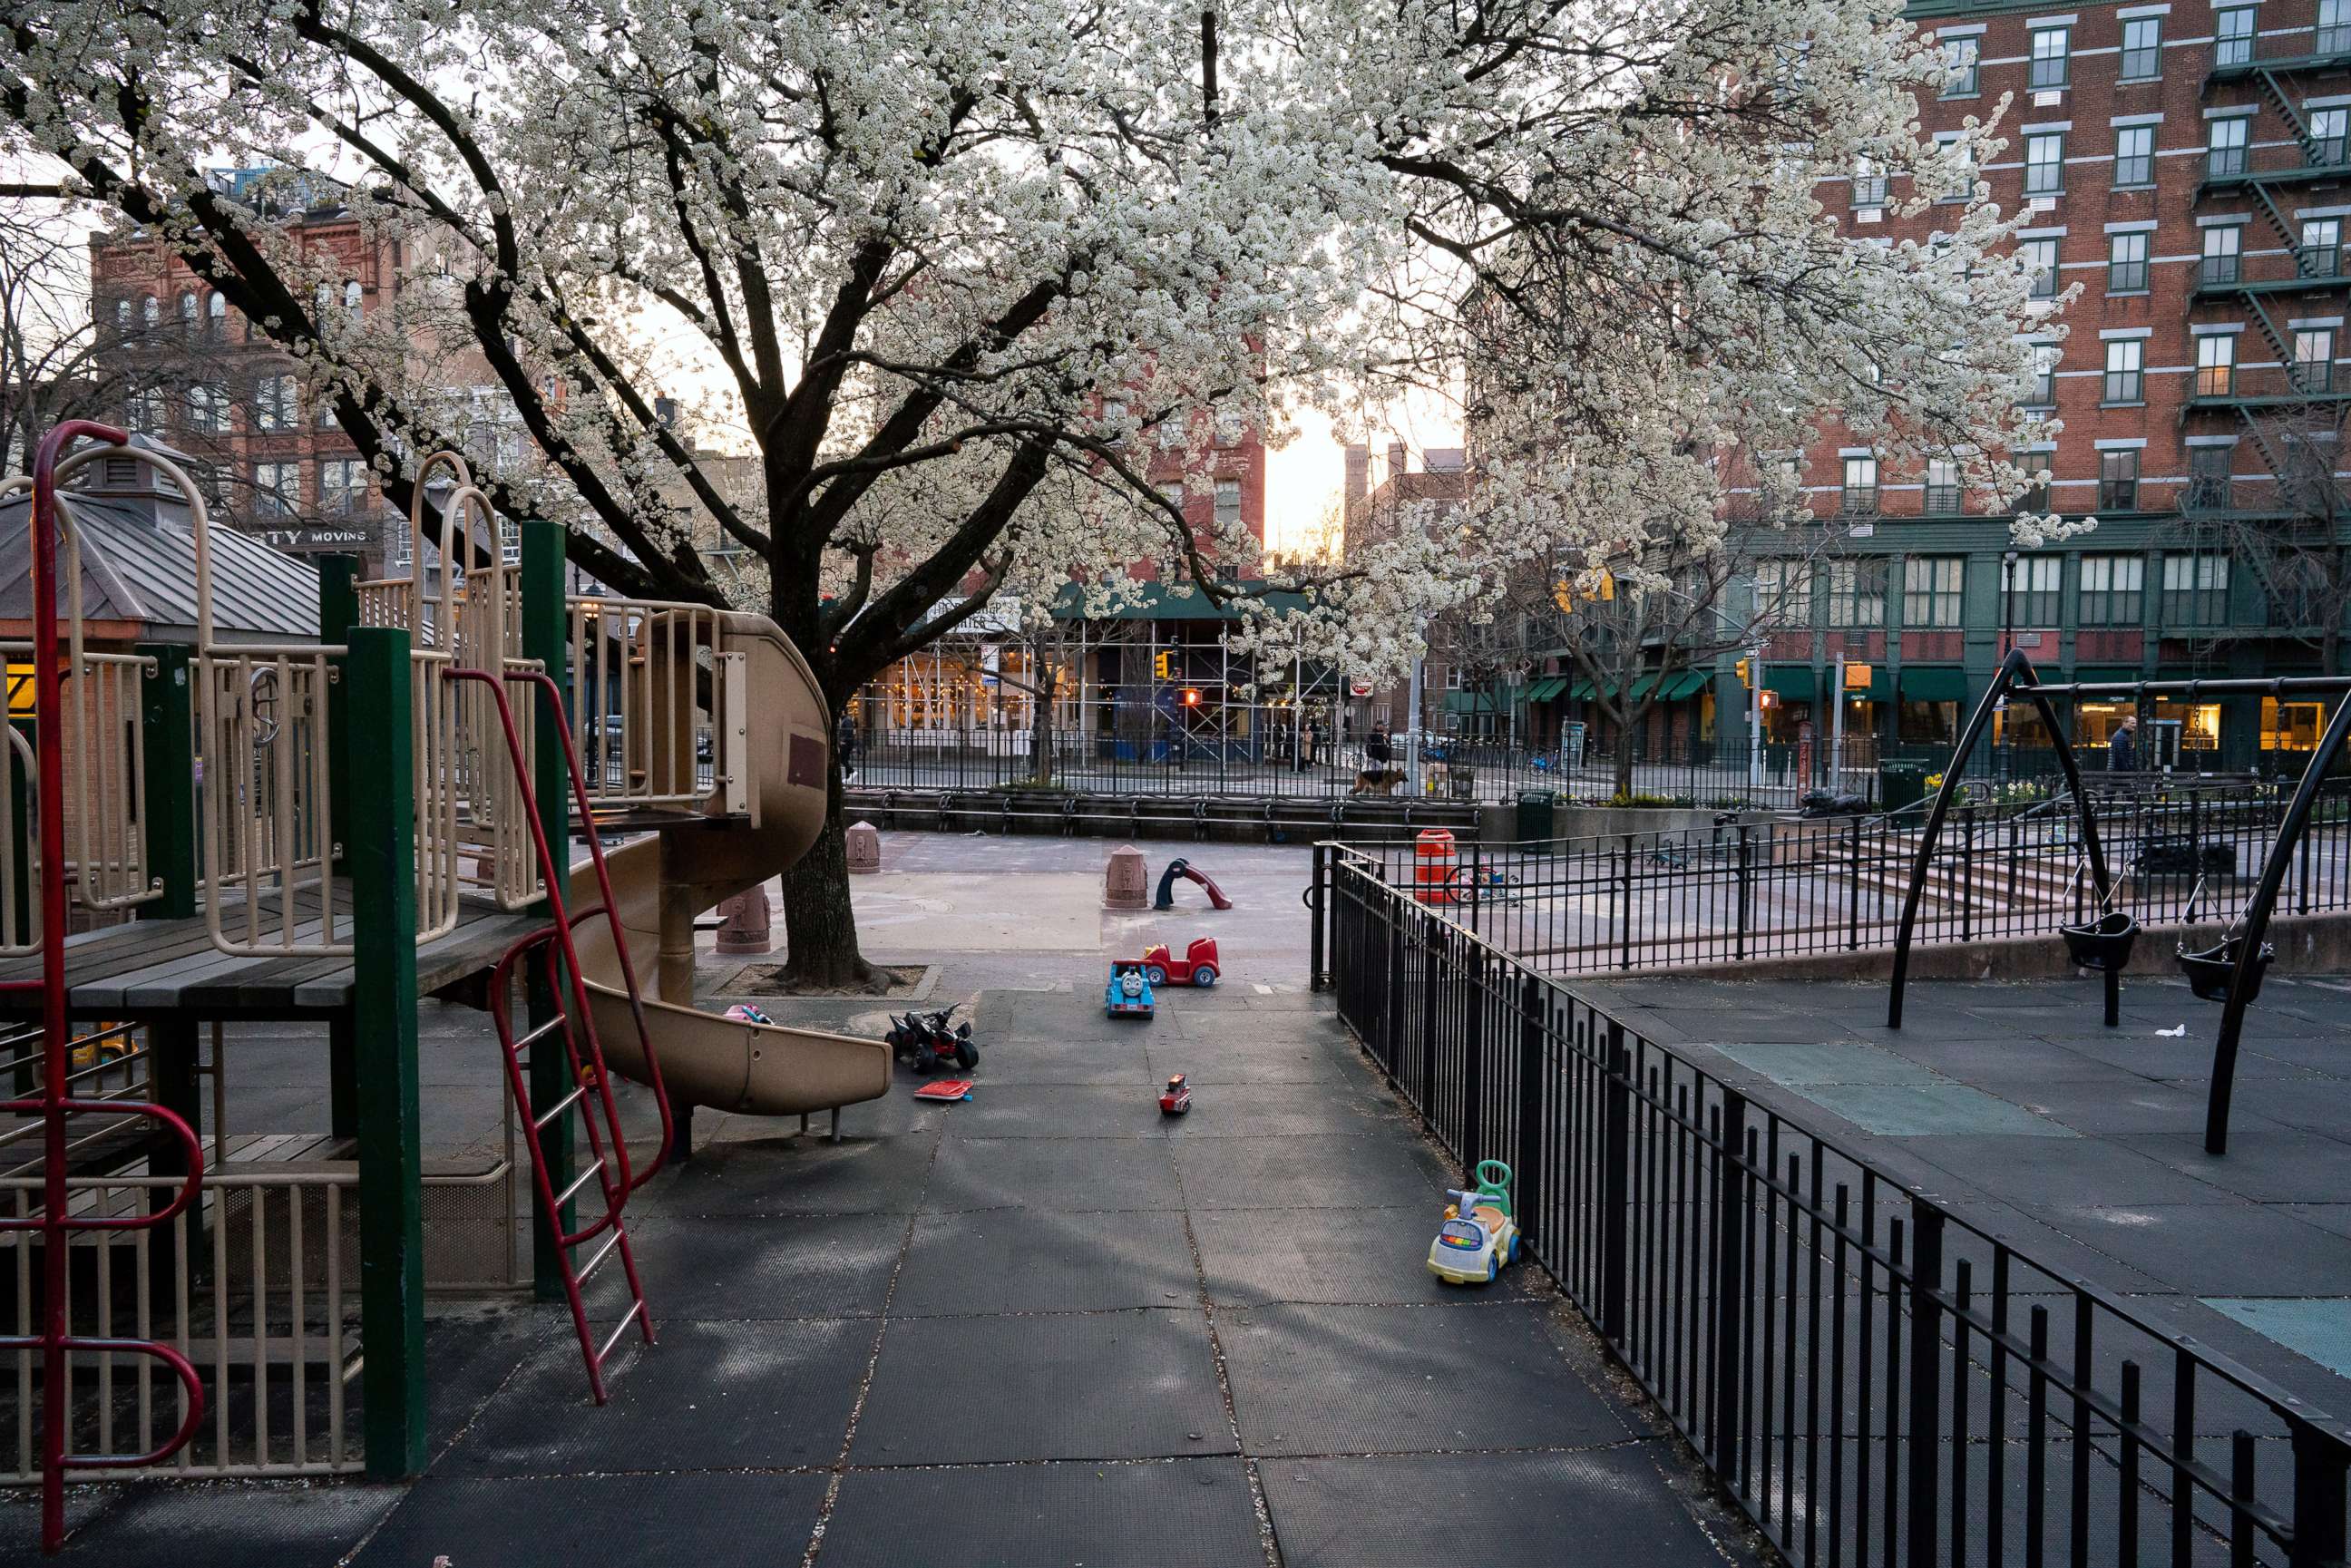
{"x": 1040, "y": 731}
{"x": 819, "y": 927}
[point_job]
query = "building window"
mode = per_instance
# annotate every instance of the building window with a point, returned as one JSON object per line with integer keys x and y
{"x": 2043, "y": 392}
{"x": 1229, "y": 501}
{"x": 398, "y": 542}
{"x": 2142, "y": 48}
{"x": 2052, "y": 53}
{"x": 2135, "y": 155}
{"x": 2320, "y": 254}
{"x": 1868, "y": 184}
{"x": 123, "y": 317}
{"x": 150, "y": 312}
{"x": 2333, "y": 28}
{"x": 277, "y": 489}
{"x": 354, "y": 302}
{"x": 208, "y": 408}
{"x": 1228, "y": 428}
{"x": 2314, "y": 359}
{"x": 2127, "y": 263}
{"x": 2216, "y": 364}
{"x": 2040, "y": 258}
{"x": 216, "y": 316}
{"x": 2232, "y": 40}
{"x": 1859, "y": 495}
{"x": 2210, "y": 486}
{"x": 1172, "y": 492}
{"x": 2330, "y": 134}
{"x": 2044, "y": 163}
{"x": 1783, "y": 592}
{"x": 188, "y": 312}
{"x": 1943, "y": 486}
{"x": 276, "y": 404}
{"x": 2038, "y": 466}
{"x": 2224, "y": 248}
{"x": 1113, "y": 416}
{"x": 143, "y": 413}
{"x": 2225, "y": 147}
{"x": 1959, "y": 57}
{"x": 1858, "y": 593}
{"x": 2032, "y": 589}
{"x": 510, "y": 540}
{"x": 1930, "y": 589}
{"x": 2127, "y": 371}
{"x": 343, "y": 487}
{"x": 2111, "y": 585}
{"x": 2195, "y": 591}
{"x": 1963, "y": 173}
{"x": 2119, "y": 481}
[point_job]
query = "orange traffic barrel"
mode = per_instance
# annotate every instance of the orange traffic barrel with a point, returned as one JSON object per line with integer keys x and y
{"x": 1431, "y": 866}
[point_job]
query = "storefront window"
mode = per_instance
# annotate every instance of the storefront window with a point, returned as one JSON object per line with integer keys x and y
{"x": 2093, "y": 722}
{"x": 1935, "y": 724}
{"x": 2182, "y": 726}
{"x": 2291, "y": 727}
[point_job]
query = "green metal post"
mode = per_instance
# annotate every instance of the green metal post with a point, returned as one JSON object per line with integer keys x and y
{"x": 546, "y": 637}
{"x": 168, "y": 734}
{"x": 379, "y": 845}
{"x": 338, "y": 612}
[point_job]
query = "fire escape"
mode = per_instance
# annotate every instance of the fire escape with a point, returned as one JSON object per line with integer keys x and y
{"x": 2293, "y": 410}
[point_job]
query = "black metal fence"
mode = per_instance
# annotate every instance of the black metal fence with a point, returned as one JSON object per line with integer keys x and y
{"x": 1787, "y": 888}
{"x": 1871, "y": 1378}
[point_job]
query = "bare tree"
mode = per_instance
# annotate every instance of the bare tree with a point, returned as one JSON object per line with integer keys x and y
{"x": 2285, "y": 530}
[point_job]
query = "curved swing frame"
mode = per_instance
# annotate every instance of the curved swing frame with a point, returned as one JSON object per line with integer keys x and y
{"x": 2246, "y": 974}
{"x": 2015, "y": 675}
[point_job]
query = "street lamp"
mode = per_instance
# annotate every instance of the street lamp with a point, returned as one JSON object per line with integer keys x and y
{"x": 2007, "y": 645}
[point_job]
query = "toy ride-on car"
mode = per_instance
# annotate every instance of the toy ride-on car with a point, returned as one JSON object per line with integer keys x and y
{"x": 1128, "y": 995}
{"x": 1178, "y": 1097}
{"x": 1198, "y": 966}
{"x": 1478, "y": 1234}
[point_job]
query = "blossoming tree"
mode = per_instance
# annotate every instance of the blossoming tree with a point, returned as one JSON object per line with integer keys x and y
{"x": 935, "y": 261}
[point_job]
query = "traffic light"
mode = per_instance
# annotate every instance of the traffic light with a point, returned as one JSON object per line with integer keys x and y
{"x": 1191, "y": 695}
{"x": 1160, "y": 665}
{"x": 1745, "y": 675}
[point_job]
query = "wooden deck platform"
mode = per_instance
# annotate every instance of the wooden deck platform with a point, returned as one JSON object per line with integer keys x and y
{"x": 151, "y": 967}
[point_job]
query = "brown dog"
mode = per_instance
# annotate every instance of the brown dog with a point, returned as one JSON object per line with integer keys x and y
{"x": 1377, "y": 781}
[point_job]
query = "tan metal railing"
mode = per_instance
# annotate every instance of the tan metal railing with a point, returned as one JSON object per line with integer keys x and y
{"x": 658, "y": 709}
{"x": 105, "y": 751}
{"x": 20, "y": 863}
{"x": 255, "y": 1293}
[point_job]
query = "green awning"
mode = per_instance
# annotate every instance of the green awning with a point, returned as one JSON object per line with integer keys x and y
{"x": 1582, "y": 692}
{"x": 1682, "y": 687}
{"x": 1795, "y": 682}
{"x": 2098, "y": 675}
{"x": 1641, "y": 687}
{"x": 1880, "y": 688}
{"x": 1933, "y": 684}
{"x": 1545, "y": 689}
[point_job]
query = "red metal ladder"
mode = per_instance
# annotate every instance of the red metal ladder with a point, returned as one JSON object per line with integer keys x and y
{"x": 572, "y": 1023}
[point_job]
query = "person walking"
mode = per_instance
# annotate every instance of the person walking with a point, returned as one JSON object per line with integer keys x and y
{"x": 1375, "y": 747}
{"x": 844, "y": 743}
{"x": 2122, "y": 747}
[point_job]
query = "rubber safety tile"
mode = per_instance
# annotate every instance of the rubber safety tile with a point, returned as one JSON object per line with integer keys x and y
{"x": 724, "y": 1394}
{"x": 599, "y": 1521}
{"x": 1097, "y": 1173}
{"x": 1125, "y": 1384}
{"x": 1181, "y": 1513}
{"x": 1499, "y": 1511}
{"x": 1394, "y": 1379}
{"x": 1382, "y": 1169}
{"x": 218, "y": 1525}
{"x": 768, "y": 1266}
{"x": 1045, "y": 1260}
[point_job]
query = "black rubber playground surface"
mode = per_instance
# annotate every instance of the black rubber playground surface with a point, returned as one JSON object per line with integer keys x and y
{"x": 1045, "y": 1326}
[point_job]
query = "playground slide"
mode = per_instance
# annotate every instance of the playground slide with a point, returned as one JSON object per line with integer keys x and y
{"x": 668, "y": 878}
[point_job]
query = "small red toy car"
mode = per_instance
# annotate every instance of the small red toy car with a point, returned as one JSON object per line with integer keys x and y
{"x": 1178, "y": 1098}
{"x": 1198, "y": 966}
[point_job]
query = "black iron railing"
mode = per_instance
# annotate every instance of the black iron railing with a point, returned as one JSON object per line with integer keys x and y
{"x": 1872, "y": 1378}
{"x": 1790, "y": 888}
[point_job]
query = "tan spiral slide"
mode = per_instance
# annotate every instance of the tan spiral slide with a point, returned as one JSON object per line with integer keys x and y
{"x": 662, "y": 880}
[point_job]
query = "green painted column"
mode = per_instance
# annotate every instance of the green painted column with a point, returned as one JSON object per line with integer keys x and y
{"x": 168, "y": 734}
{"x": 379, "y": 849}
{"x": 338, "y": 612}
{"x": 546, "y": 637}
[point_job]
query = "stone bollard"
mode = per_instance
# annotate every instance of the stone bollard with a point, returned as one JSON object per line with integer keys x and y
{"x": 1124, "y": 883}
{"x": 864, "y": 848}
{"x": 744, "y": 930}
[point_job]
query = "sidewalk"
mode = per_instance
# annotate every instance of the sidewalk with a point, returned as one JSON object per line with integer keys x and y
{"x": 1043, "y": 1326}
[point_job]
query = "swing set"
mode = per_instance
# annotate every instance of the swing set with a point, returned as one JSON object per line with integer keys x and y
{"x": 2231, "y": 971}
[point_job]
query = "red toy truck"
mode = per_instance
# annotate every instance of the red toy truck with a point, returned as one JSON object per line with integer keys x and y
{"x": 1178, "y": 1097}
{"x": 1198, "y": 966}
